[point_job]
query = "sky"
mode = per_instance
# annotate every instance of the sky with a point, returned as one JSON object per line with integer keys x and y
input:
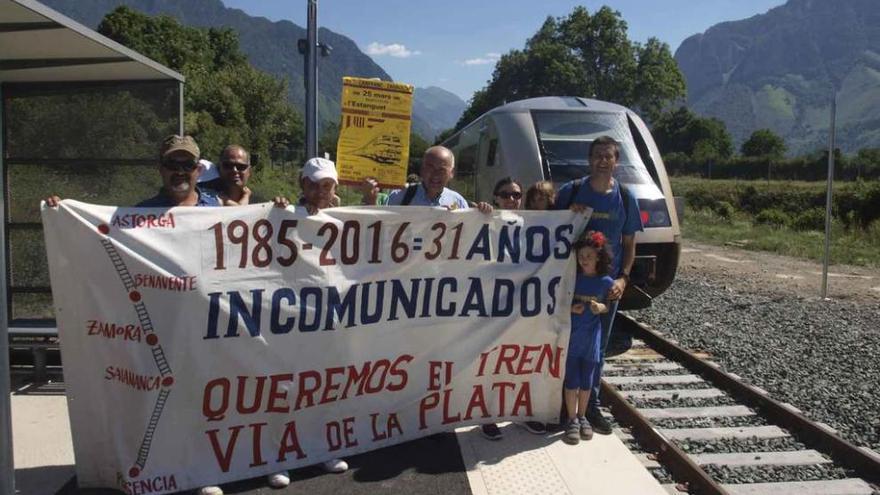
{"x": 453, "y": 44}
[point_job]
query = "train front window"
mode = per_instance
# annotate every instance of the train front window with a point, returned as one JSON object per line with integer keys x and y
{"x": 565, "y": 136}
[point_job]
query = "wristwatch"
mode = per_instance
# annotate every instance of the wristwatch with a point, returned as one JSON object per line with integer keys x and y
{"x": 624, "y": 276}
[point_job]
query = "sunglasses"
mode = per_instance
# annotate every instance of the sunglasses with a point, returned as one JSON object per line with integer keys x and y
{"x": 239, "y": 167}
{"x": 180, "y": 166}
{"x": 509, "y": 194}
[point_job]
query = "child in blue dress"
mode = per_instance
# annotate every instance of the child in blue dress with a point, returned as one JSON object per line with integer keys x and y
{"x": 584, "y": 347}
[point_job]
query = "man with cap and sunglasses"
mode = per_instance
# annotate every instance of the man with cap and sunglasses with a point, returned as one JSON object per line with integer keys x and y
{"x": 179, "y": 168}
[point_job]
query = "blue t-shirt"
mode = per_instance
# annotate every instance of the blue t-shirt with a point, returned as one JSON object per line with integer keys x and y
{"x": 447, "y": 198}
{"x": 161, "y": 200}
{"x": 586, "y": 328}
{"x": 609, "y": 216}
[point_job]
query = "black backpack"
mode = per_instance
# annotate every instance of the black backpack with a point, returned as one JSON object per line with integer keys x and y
{"x": 409, "y": 194}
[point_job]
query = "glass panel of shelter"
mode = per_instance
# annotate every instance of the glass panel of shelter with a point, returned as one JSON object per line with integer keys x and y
{"x": 94, "y": 142}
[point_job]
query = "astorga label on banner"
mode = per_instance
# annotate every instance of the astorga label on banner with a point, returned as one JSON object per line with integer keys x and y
{"x": 231, "y": 343}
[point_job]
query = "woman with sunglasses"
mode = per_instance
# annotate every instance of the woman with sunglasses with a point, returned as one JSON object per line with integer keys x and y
{"x": 508, "y": 194}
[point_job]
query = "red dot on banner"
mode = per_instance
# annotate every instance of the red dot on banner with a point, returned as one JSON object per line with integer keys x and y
{"x": 134, "y": 295}
{"x": 134, "y": 472}
{"x": 168, "y": 381}
{"x": 104, "y": 229}
{"x": 152, "y": 339}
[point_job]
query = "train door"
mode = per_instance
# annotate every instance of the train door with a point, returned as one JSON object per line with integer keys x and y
{"x": 488, "y": 163}
{"x": 466, "y": 147}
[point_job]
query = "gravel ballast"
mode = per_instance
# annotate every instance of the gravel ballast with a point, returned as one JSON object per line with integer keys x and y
{"x": 821, "y": 356}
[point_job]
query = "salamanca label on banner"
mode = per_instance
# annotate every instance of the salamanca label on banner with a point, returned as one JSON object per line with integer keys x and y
{"x": 219, "y": 344}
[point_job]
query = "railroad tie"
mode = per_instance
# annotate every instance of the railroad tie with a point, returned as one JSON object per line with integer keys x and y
{"x": 697, "y": 412}
{"x": 849, "y": 486}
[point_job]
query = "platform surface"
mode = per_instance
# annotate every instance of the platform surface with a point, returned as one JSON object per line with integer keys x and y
{"x": 523, "y": 463}
{"x": 462, "y": 462}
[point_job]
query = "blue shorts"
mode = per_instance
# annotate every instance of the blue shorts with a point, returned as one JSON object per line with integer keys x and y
{"x": 581, "y": 373}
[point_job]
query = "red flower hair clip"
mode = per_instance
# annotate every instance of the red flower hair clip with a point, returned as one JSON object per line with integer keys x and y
{"x": 597, "y": 239}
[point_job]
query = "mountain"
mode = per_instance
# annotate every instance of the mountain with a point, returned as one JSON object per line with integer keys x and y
{"x": 271, "y": 47}
{"x": 778, "y": 70}
{"x": 444, "y": 107}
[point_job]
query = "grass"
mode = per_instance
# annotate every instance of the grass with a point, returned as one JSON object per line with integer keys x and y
{"x": 853, "y": 247}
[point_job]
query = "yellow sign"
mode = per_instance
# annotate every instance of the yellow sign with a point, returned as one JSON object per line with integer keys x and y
{"x": 374, "y": 131}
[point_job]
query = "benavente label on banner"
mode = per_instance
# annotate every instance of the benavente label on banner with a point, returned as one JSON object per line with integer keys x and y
{"x": 207, "y": 345}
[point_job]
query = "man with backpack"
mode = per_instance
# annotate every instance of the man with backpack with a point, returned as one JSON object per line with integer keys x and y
{"x": 437, "y": 170}
{"x": 616, "y": 215}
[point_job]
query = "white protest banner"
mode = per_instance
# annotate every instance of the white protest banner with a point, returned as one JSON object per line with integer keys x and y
{"x": 206, "y": 345}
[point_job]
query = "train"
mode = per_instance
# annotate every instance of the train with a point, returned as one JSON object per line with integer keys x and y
{"x": 548, "y": 138}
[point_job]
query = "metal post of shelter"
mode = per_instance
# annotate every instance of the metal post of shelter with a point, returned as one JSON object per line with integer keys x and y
{"x": 180, "y": 125}
{"x": 311, "y": 78}
{"x": 7, "y": 465}
{"x": 827, "y": 255}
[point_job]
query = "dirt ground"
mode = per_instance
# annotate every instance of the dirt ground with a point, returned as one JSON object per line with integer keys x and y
{"x": 769, "y": 273}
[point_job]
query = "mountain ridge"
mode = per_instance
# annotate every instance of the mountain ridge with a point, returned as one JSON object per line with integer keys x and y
{"x": 271, "y": 47}
{"x": 779, "y": 70}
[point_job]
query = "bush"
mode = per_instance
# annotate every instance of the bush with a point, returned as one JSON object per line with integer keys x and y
{"x": 773, "y": 217}
{"x": 812, "y": 167}
{"x": 699, "y": 199}
{"x": 724, "y": 209}
{"x": 856, "y": 204}
{"x": 811, "y": 219}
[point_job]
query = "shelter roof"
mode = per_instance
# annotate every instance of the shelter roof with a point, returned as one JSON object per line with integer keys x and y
{"x": 38, "y": 44}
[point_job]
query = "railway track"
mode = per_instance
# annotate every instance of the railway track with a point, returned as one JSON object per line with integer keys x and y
{"x": 715, "y": 434}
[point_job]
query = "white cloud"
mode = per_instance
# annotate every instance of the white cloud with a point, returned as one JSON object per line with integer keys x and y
{"x": 490, "y": 58}
{"x": 394, "y": 50}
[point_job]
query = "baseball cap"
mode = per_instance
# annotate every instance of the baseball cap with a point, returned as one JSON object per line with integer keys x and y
{"x": 208, "y": 171}
{"x": 174, "y": 143}
{"x": 320, "y": 168}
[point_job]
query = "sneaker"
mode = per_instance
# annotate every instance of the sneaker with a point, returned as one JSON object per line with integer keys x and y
{"x": 586, "y": 429}
{"x": 491, "y": 431}
{"x": 279, "y": 480}
{"x": 210, "y": 490}
{"x": 572, "y": 434}
{"x": 335, "y": 466}
{"x": 534, "y": 427}
{"x": 598, "y": 422}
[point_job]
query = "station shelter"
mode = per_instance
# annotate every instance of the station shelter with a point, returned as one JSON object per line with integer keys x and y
{"x": 82, "y": 117}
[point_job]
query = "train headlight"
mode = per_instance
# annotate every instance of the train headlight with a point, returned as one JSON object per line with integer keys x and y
{"x": 659, "y": 218}
{"x": 654, "y": 213}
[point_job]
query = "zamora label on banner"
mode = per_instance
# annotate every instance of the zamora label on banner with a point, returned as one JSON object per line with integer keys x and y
{"x": 232, "y": 343}
{"x": 374, "y": 131}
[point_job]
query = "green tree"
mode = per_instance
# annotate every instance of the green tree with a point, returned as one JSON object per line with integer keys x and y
{"x": 658, "y": 80}
{"x": 443, "y": 136}
{"x": 681, "y": 131}
{"x": 867, "y": 162}
{"x": 583, "y": 55}
{"x": 764, "y": 143}
{"x": 226, "y": 99}
{"x": 417, "y": 146}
